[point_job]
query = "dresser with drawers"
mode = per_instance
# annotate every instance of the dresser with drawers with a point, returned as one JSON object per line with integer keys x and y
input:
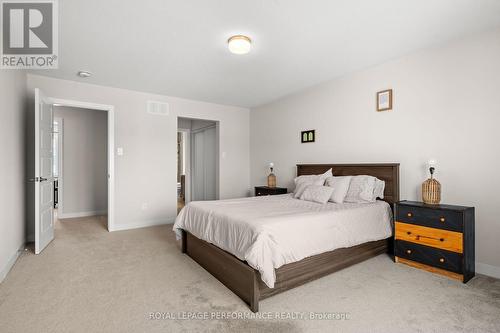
{"x": 436, "y": 238}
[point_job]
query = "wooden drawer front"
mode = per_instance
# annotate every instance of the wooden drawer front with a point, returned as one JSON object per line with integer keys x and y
{"x": 447, "y": 260}
{"x": 264, "y": 191}
{"x": 434, "y": 218}
{"x": 259, "y": 192}
{"x": 443, "y": 239}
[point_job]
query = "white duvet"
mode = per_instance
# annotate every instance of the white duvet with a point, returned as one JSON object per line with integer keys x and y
{"x": 272, "y": 231}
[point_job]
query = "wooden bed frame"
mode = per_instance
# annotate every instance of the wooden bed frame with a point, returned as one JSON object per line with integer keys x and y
{"x": 245, "y": 281}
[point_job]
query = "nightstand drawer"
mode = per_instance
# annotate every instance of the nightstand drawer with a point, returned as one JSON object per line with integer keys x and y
{"x": 264, "y": 190}
{"x": 430, "y": 256}
{"x": 434, "y": 218}
{"x": 439, "y": 238}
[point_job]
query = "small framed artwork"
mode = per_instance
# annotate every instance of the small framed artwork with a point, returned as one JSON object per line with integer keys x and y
{"x": 307, "y": 136}
{"x": 384, "y": 100}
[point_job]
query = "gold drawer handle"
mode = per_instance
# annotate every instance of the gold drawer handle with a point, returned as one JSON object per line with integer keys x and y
{"x": 442, "y": 219}
{"x": 409, "y": 214}
{"x": 408, "y": 251}
{"x": 420, "y": 236}
{"x": 441, "y": 260}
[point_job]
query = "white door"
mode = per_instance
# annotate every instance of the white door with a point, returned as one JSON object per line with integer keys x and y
{"x": 210, "y": 163}
{"x": 198, "y": 165}
{"x": 43, "y": 177}
{"x": 203, "y": 164}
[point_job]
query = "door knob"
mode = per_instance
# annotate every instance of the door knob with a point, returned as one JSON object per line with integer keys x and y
{"x": 43, "y": 179}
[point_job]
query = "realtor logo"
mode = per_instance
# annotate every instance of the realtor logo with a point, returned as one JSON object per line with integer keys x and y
{"x": 29, "y": 34}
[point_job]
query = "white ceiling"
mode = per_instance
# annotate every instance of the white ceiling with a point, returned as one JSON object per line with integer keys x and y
{"x": 178, "y": 47}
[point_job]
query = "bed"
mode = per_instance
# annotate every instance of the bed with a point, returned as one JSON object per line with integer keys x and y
{"x": 256, "y": 246}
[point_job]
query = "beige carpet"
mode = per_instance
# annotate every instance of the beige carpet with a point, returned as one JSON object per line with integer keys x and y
{"x": 89, "y": 280}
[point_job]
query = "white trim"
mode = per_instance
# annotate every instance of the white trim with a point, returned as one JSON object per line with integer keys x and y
{"x": 37, "y": 168}
{"x": 60, "y": 156}
{"x": 111, "y": 148}
{"x": 111, "y": 168}
{"x": 81, "y": 214}
{"x": 489, "y": 270}
{"x": 10, "y": 263}
{"x": 144, "y": 224}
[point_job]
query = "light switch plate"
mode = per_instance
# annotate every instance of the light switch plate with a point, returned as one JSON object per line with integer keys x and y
{"x": 119, "y": 151}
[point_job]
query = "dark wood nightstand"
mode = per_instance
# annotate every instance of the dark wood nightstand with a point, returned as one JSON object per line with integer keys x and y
{"x": 266, "y": 190}
{"x": 436, "y": 238}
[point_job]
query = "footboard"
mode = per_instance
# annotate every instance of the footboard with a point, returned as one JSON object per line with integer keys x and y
{"x": 235, "y": 274}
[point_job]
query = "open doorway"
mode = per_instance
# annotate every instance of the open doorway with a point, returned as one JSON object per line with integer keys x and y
{"x": 197, "y": 160}
{"x": 80, "y": 165}
{"x": 40, "y": 193}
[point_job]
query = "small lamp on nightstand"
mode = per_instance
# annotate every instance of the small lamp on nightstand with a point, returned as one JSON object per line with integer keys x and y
{"x": 431, "y": 188}
{"x": 271, "y": 179}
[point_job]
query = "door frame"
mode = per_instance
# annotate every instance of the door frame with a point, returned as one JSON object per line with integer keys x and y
{"x": 60, "y": 158}
{"x": 187, "y": 164}
{"x": 110, "y": 109}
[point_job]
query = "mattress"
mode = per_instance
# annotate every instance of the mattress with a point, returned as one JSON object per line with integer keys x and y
{"x": 271, "y": 231}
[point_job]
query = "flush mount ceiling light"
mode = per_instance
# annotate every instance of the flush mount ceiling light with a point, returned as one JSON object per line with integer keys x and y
{"x": 239, "y": 44}
{"x": 84, "y": 74}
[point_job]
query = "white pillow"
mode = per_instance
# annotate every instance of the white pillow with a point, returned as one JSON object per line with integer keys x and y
{"x": 309, "y": 178}
{"x": 340, "y": 187}
{"x": 299, "y": 189}
{"x": 317, "y": 193}
{"x": 361, "y": 189}
{"x": 378, "y": 192}
{"x": 327, "y": 174}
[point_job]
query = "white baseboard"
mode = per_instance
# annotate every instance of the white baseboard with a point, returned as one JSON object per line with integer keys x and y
{"x": 10, "y": 263}
{"x": 489, "y": 270}
{"x": 143, "y": 224}
{"x": 81, "y": 214}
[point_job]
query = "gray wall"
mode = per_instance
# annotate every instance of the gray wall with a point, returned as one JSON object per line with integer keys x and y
{"x": 12, "y": 141}
{"x": 446, "y": 107}
{"x": 84, "y": 169}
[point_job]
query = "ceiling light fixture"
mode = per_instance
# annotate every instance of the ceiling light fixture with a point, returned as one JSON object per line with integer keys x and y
{"x": 84, "y": 74}
{"x": 239, "y": 44}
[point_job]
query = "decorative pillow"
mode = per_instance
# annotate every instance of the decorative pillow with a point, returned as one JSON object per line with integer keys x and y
{"x": 317, "y": 193}
{"x": 361, "y": 189}
{"x": 340, "y": 187}
{"x": 299, "y": 189}
{"x": 311, "y": 178}
{"x": 378, "y": 192}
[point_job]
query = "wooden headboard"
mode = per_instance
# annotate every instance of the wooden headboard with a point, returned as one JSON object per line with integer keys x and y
{"x": 388, "y": 172}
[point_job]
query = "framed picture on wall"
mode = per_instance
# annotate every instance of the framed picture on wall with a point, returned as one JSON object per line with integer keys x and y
{"x": 308, "y": 136}
{"x": 384, "y": 100}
